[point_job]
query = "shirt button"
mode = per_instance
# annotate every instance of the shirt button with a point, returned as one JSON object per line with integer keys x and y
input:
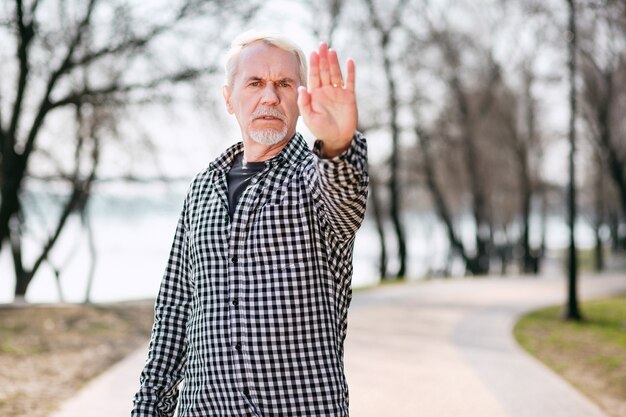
{"x": 235, "y": 302}
{"x": 254, "y": 180}
{"x": 238, "y": 346}
{"x": 233, "y": 259}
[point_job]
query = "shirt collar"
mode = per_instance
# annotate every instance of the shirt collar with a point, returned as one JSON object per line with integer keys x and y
{"x": 295, "y": 150}
{"x": 225, "y": 160}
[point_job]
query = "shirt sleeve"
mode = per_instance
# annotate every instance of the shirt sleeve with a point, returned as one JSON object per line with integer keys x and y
{"x": 163, "y": 371}
{"x": 340, "y": 187}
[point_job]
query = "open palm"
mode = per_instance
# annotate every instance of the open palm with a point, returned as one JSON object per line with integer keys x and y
{"x": 327, "y": 105}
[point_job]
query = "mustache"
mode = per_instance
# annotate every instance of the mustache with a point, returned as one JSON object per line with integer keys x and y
{"x": 268, "y": 111}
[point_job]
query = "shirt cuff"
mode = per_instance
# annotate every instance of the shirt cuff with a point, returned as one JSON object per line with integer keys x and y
{"x": 355, "y": 155}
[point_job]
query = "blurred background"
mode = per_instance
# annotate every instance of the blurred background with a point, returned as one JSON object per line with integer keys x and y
{"x": 108, "y": 109}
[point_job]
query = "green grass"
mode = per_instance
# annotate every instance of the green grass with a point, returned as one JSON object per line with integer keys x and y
{"x": 591, "y": 354}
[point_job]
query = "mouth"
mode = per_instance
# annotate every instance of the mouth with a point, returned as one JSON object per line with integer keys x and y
{"x": 268, "y": 114}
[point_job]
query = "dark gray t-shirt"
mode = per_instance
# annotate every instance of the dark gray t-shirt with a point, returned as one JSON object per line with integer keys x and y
{"x": 238, "y": 179}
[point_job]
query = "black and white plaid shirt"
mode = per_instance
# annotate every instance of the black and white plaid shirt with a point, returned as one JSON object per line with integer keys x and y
{"x": 252, "y": 312}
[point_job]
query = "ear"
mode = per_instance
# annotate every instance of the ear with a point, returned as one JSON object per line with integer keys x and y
{"x": 226, "y": 92}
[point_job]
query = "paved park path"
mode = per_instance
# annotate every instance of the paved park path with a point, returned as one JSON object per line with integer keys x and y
{"x": 432, "y": 349}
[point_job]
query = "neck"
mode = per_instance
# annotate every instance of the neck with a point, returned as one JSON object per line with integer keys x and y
{"x": 255, "y": 152}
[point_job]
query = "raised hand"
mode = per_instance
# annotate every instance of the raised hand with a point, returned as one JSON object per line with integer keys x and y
{"x": 327, "y": 104}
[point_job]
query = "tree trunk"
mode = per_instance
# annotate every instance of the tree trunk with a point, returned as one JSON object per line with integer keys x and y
{"x": 614, "y": 230}
{"x": 599, "y": 220}
{"x": 441, "y": 207}
{"x": 392, "y": 101}
{"x": 616, "y": 165}
{"x": 380, "y": 228}
{"x": 529, "y": 260}
{"x": 92, "y": 252}
{"x": 544, "y": 221}
{"x": 479, "y": 265}
{"x": 598, "y": 250}
{"x": 394, "y": 180}
{"x": 22, "y": 276}
{"x": 572, "y": 311}
{"x": 12, "y": 179}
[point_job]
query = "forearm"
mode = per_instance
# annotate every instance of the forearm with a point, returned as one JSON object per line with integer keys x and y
{"x": 165, "y": 365}
{"x": 167, "y": 354}
{"x": 341, "y": 186}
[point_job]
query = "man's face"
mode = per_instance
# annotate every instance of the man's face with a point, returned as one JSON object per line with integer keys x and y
{"x": 264, "y": 92}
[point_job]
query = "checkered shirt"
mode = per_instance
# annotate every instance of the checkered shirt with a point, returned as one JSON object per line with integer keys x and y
{"x": 252, "y": 311}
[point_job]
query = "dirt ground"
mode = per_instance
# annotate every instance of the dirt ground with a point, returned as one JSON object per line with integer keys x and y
{"x": 47, "y": 353}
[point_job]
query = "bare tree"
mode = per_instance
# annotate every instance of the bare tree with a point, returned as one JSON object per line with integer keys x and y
{"x": 603, "y": 65}
{"x": 470, "y": 105}
{"x": 441, "y": 206}
{"x": 330, "y": 10}
{"x": 530, "y": 261}
{"x": 481, "y": 116}
{"x": 516, "y": 112}
{"x": 378, "y": 214}
{"x": 80, "y": 190}
{"x": 572, "y": 311}
{"x": 600, "y": 89}
{"x": 384, "y": 33}
{"x": 55, "y": 45}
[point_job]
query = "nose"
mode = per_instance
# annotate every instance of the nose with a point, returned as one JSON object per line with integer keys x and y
{"x": 270, "y": 95}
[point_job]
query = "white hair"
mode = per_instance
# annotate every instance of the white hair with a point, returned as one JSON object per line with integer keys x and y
{"x": 273, "y": 39}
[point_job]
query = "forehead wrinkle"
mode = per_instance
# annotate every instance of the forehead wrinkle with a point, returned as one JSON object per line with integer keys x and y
{"x": 253, "y": 64}
{"x": 282, "y": 79}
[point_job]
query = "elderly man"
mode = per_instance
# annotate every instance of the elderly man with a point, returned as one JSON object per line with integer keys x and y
{"x": 252, "y": 310}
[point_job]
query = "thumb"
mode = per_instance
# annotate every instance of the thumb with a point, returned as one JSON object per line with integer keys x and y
{"x": 304, "y": 101}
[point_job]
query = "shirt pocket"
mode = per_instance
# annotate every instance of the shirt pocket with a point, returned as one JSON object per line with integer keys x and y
{"x": 285, "y": 196}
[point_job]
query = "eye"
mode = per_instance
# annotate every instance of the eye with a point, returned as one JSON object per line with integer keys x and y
{"x": 283, "y": 84}
{"x": 255, "y": 83}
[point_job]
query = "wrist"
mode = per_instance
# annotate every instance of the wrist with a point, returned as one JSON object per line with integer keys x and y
{"x": 331, "y": 149}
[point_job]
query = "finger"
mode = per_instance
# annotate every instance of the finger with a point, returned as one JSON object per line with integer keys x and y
{"x": 314, "y": 71}
{"x": 324, "y": 72}
{"x": 335, "y": 70}
{"x": 304, "y": 100}
{"x": 350, "y": 74}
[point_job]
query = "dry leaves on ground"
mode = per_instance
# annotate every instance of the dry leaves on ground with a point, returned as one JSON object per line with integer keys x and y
{"x": 48, "y": 352}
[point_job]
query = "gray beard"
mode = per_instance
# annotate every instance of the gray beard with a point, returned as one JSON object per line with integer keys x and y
{"x": 268, "y": 137}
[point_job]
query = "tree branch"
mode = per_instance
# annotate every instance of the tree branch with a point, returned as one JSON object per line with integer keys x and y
{"x": 67, "y": 210}
{"x": 494, "y": 77}
{"x": 440, "y": 203}
{"x": 33, "y": 8}
{"x": 3, "y": 135}
{"x": 45, "y": 104}
{"x": 88, "y": 95}
{"x": 26, "y": 34}
{"x": 81, "y": 189}
{"x": 138, "y": 41}
{"x": 396, "y": 15}
{"x": 375, "y": 19}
